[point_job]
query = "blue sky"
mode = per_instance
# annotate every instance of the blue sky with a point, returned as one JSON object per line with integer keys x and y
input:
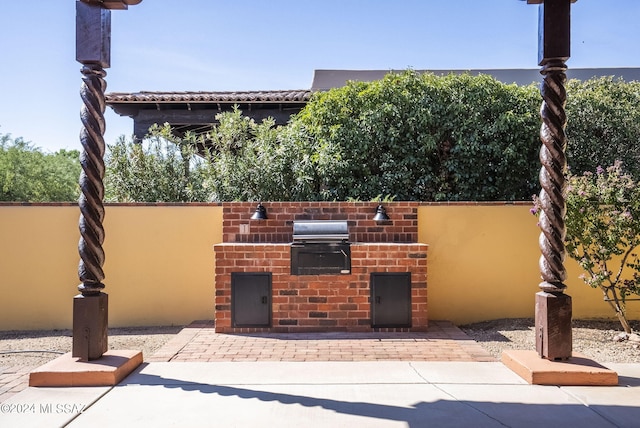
{"x": 217, "y": 45}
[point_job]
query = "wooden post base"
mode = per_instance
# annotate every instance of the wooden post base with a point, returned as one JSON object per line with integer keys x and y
{"x": 89, "y": 326}
{"x": 553, "y": 326}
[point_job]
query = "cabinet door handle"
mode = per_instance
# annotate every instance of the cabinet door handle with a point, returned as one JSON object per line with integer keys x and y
{"x": 265, "y": 300}
{"x": 378, "y": 300}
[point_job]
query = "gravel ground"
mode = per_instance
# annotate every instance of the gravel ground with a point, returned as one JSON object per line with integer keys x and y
{"x": 34, "y": 348}
{"x": 597, "y": 339}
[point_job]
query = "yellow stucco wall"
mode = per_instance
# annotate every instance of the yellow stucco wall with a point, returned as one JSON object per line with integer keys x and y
{"x": 38, "y": 266}
{"x": 483, "y": 265}
{"x": 158, "y": 268}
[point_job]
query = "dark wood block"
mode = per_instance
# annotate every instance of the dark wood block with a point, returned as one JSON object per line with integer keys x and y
{"x": 553, "y": 326}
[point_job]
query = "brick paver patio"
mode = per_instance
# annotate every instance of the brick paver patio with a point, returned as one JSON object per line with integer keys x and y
{"x": 442, "y": 342}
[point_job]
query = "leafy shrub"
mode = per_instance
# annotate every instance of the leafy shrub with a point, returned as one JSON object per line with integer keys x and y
{"x": 259, "y": 161}
{"x": 29, "y": 175}
{"x": 603, "y": 124}
{"x": 163, "y": 168}
{"x": 425, "y": 137}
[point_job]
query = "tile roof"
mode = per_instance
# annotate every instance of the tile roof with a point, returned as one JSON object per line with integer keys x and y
{"x": 277, "y": 96}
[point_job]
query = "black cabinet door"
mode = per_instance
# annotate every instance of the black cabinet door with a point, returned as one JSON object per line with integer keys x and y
{"x": 251, "y": 299}
{"x": 391, "y": 299}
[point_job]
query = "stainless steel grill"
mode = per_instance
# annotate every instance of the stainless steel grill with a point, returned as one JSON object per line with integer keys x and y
{"x": 320, "y": 248}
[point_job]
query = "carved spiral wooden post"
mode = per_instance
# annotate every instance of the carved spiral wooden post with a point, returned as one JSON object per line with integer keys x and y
{"x": 553, "y": 307}
{"x": 91, "y": 185}
{"x": 93, "y": 51}
{"x": 552, "y": 177}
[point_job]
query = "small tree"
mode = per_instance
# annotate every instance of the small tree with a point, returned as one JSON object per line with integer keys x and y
{"x": 603, "y": 233}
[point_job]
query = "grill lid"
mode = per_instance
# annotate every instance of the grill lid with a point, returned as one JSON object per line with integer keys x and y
{"x": 320, "y": 231}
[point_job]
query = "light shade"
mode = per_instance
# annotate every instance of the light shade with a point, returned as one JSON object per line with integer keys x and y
{"x": 260, "y": 214}
{"x": 381, "y": 214}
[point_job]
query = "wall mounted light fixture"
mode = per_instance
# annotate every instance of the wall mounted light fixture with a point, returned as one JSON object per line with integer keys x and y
{"x": 381, "y": 214}
{"x": 260, "y": 213}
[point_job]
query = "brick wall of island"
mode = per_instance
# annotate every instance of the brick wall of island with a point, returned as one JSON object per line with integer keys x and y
{"x": 320, "y": 302}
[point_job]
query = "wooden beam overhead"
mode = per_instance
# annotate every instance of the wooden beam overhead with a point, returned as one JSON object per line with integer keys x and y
{"x": 542, "y": 1}
{"x": 112, "y": 4}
